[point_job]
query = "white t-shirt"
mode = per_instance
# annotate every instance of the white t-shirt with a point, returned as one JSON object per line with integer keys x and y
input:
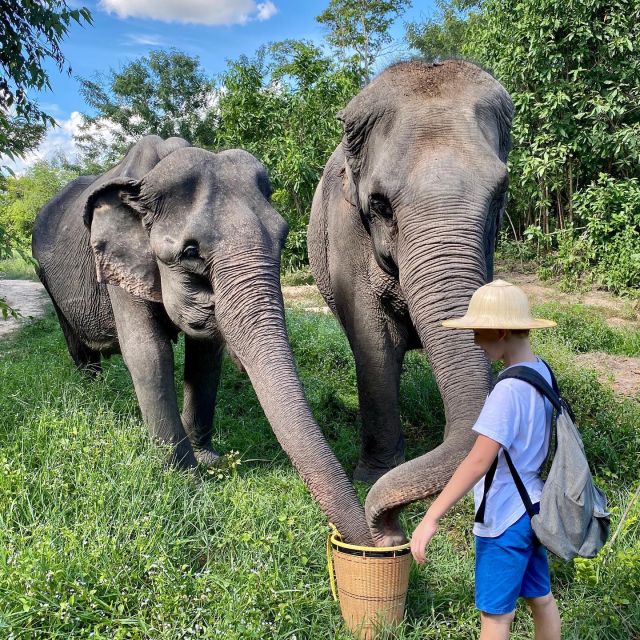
{"x": 519, "y": 418}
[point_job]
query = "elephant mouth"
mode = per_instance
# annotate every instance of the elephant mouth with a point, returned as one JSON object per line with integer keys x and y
{"x": 201, "y": 328}
{"x": 196, "y": 315}
{"x": 197, "y": 325}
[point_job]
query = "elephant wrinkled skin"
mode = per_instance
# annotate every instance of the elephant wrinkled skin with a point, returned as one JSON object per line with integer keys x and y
{"x": 173, "y": 239}
{"x": 402, "y": 231}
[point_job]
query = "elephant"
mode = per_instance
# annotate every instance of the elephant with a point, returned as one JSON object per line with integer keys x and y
{"x": 179, "y": 239}
{"x": 402, "y": 230}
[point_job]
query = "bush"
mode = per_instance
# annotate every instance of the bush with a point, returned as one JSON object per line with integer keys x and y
{"x": 611, "y": 240}
{"x": 606, "y": 250}
{"x": 23, "y": 196}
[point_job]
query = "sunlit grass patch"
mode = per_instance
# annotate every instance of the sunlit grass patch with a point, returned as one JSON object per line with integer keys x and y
{"x": 99, "y": 539}
{"x": 584, "y": 329}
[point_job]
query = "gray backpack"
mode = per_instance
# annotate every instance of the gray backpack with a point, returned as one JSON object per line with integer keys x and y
{"x": 573, "y": 518}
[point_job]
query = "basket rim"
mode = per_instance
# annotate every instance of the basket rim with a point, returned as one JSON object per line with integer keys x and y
{"x": 336, "y": 539}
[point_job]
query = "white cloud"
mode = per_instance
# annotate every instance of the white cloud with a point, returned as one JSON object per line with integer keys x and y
{"x": 209, "y": 12}
{"x": 57, "y": 142}
{"x": 266, "y": 10}
{"x": 146, "y": 39}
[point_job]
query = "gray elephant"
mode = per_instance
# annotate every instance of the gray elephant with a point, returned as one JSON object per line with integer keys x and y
{"x": 402, "y": 231}
{"x": 176, "y": 238}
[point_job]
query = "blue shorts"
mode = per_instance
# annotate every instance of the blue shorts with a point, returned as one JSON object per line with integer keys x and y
{"x": 510, "y": 566}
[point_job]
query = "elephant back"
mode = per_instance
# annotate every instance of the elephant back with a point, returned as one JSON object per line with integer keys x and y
{"x": 140, "y": 159}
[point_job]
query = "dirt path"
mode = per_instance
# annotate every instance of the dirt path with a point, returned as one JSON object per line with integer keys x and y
{"x": 27, "y": 297}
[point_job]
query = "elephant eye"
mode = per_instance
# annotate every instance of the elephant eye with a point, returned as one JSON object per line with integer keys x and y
{"x": 380, "y": 205}
{"x": 190, "y": 252}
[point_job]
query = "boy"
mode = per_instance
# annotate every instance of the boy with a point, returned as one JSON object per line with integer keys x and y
{"x": 515, "y": 417}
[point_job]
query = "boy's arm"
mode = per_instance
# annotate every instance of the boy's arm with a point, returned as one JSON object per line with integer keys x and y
{"x": 471, "y": 469}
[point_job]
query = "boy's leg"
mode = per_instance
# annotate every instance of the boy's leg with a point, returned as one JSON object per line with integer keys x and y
{"x": 546, "y": 618}
{"x": 496, "y": 626}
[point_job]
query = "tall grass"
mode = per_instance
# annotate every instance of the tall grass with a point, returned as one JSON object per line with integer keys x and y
{"x": 582, "y": 328}
{"x": 98, "y": 539}
{"x": 18, "y": 267}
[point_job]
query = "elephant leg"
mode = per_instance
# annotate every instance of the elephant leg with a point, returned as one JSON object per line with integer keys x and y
{"x": 202, "y": 363}
{"x": 148, "y": 354}
{"x": 86, "y": 360}
{"x": 378, "y": 360}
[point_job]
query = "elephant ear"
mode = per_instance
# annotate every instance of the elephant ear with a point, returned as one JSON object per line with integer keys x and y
{"x": 356, "y": 127}
{"x": 353, "y": 141}
{"x": 349, "y": 190}
{"x": 359, "y": 119}
{"x": 115, "y": 214}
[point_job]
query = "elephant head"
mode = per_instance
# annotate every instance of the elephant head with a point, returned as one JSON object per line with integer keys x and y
{"x": 426, "y": 149}
{"x": 197, "y": 233}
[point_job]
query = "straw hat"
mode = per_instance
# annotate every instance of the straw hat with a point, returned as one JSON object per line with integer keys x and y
{"x": 498, "y": 305}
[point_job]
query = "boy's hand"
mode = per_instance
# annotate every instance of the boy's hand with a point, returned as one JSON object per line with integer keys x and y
{"x": 421, "y": 538}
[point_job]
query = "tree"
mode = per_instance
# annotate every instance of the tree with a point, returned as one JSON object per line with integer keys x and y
{"x": 361, "y": 26}
{"x": 444, "y": 34}
{"x": 23, "y": 196}
{"x": 166, "y": 93}
{"x": 572, "y": 71}
{"x": 281, "y": 106}
{"x": 30, "y": 33}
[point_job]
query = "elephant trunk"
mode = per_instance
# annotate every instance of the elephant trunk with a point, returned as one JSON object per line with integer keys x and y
{"x": 440, "y": 267}
{"x": 243, "y": 283}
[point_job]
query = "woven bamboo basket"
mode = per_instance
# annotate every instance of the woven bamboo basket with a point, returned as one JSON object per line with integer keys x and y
{"x": 371, "y": 584}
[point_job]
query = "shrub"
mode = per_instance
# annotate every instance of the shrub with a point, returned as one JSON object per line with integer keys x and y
{"x": 611, "y": 209}
{"x": 607, "y": 249}
{"x": 23, "y": 196}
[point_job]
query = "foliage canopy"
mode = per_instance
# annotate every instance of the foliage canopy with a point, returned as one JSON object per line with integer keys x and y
{"x": 281, "y": 106}
{"x": 166, "y": 93}
{"x": 444, "y": 34}
{"x": 573, "y": 72}
{"x": 25, "y": 195}
{"x": 30, "y": 32}
{"x": 361, "y": 26}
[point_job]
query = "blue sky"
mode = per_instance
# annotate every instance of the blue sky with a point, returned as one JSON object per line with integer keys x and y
{"x": 213, "y": 30}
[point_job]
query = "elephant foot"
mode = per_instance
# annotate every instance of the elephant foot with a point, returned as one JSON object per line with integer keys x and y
{"x": 181, "y": 456}
{"x": 370, "y": 474}
{"x": 91, "y": 370}
{"x": 207, "y": 457}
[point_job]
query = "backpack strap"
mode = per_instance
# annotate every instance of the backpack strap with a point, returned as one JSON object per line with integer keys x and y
{"x": 488, "y": 479}
{"x": 552, "y": 393}
{"x": 529, "y": 375}
{"x": 554, "y": 382}
{"x": 519, "y": 485}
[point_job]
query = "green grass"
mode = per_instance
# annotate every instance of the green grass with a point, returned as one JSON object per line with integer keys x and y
{"x": 99, "y": 540}
{"x": 582, "y": 329}
{"x": 17, "y": 268}
{"x": 296, "y": 278}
